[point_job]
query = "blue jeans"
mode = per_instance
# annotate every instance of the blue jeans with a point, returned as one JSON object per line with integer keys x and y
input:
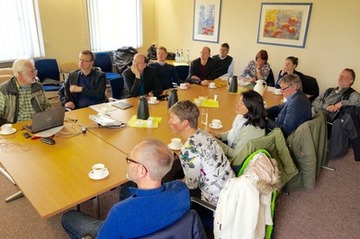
{"x": 78, "y": 224}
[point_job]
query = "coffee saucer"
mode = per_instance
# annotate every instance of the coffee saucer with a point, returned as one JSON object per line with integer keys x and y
{"x": 173, "y": 147}
{"x": 13, "y": 130}
{"x": 212, "y": 87}
{"x": 213, "y": 127}
{"x": 153, "y": 103}
{"x": 98, "y": 177}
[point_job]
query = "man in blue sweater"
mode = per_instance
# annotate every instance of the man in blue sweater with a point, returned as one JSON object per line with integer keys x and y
{"x": 151, "y": 207}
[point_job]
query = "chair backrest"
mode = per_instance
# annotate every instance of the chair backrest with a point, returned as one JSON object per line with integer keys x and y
{"x": 117, "y": 87}
{"x": 67, "y": 67}
{"x": 188, "y": 226}
{"x": 103, "y": 60}
{"x": 6, "y": 71}
{"x": 183, "y": 72}
{"x": 47, "y": 68}
{"x": 310, "y": 87}
{"x": 4, "y": 78}
{"x": 270, "y": 80}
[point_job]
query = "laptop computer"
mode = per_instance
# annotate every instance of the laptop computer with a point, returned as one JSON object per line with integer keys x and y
{"x": 46, "y": 120}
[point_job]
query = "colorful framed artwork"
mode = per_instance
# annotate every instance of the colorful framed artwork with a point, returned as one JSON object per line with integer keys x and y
{"x": 284, "y": 24}
{"x": 206, "y": 24}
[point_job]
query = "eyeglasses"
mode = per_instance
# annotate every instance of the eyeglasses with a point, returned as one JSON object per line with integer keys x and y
{"x": 129, "y": 160}
{"x": 82, "y": 60}
{"x": 284, "y": 89}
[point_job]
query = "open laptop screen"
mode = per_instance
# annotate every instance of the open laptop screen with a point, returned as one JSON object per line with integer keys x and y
{"x": 46, "y": 120}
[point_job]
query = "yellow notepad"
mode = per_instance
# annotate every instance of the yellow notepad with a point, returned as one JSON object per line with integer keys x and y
{"x": 139, "y": 123}
{"x": 207, "y": 103}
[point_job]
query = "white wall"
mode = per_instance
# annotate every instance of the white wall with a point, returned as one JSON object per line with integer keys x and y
{"x": 333, "y": 40}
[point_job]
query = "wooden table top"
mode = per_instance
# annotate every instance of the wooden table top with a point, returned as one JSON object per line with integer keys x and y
{"x": 55, "y": 177}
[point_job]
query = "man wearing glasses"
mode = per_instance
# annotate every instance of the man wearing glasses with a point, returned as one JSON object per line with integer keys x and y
{"x": 84, "y": 87}
{"x": 296, "y": 109}
{"x": 22, "y": 95}
{"x": 151, "y": 207}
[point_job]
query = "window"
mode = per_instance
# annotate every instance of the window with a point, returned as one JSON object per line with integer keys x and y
{"x": 114, "y": 24}
{"x": 20, "y": 26}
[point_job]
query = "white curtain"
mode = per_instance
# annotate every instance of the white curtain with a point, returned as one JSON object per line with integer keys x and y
{"x": 114, "y": 24}
{"x": 21, "y": 34}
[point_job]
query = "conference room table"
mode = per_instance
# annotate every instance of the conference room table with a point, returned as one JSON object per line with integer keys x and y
{"x": 55, "y": 178}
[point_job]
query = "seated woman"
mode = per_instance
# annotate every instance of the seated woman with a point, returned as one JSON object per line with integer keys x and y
{"x": 204, "y": 163}
{"x": 248, "y": 124}
{"x": 258, "y": 69}
{"x": 290, "y": 65}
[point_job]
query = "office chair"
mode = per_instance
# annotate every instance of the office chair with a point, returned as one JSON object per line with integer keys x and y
{"x": 66, "y": 68}
{"x": 117, "y": 86}
{"x": 270, "y": 81}
{"x": 49, "y": 75}
{"x": 183, "y": 72}
{"x": 103, "y": 60}
{"x": 310, "y": 87}
{"x": 6, "y": 71}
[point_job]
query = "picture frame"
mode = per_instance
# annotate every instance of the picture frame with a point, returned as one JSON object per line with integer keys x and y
{"x": 206, "y": 21}
{"x": 284, "y": 24}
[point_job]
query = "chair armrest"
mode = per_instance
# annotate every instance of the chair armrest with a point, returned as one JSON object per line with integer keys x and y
{"x": 203, "y": 203}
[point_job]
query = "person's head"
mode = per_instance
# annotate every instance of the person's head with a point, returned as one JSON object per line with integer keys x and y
{"x": 289, "y": 84}
{"x": 291, "y": 63}
{"x": 346, "y": 78}
{"x": 224, "y": 50}
{"x": 149, "y": 160}
{"x": 261, "y": 57}
{"x": 25, "y": 71}
{"x": 161, "y": 54}
{"x": 205, "y": 53}
{"x": 251, "y": 106}
{"x": 140, "y": 62}
{"x": 86, "y": 60}
{"x": 183, "y": 115}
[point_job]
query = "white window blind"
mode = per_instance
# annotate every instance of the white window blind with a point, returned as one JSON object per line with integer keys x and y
{"x": 114, "y": 24}
{"x": 20, "y": 26}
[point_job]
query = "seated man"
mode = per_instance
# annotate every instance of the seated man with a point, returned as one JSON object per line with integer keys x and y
{"x": 202, "y": 69}
{"x": 141, "y": 79}
{"x": 152, "y": 206}
{"x": 22, "y": 95}
{"x": 166, "y": 72}
{"x": 295, "y": 111}
{"x": 84, "y": 87}
{"x": 339, "y": 102}
{"x": 224, "y": 64}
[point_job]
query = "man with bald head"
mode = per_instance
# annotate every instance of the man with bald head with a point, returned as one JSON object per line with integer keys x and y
{"x": 141, "y": 79}
{"x": 202, "y": 69}
{"x": 22, "y": 96}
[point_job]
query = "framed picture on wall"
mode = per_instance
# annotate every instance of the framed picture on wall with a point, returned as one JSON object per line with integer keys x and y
{"x": 206, "y": 24}
{"x": 284, "y": 24}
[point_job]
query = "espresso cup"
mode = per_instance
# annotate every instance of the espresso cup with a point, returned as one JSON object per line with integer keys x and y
{"x": 212, "y": 84}
{"x": 216, "y": 123}
{"x": 6, "y": 128}
{"x": 99, "y": 169}
{"x": 152, "y": 99}
{"x": 176, "y": 142}
{"x": 183, "y": 85}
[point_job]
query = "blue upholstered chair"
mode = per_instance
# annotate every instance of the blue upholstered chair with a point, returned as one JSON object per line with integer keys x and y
{"x": 117, "y": 87}
{"x": 49, "y": 75}
{"x": 103, "y": 60}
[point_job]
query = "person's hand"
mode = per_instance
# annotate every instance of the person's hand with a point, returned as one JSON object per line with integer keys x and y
{"x": 338, "y": 106}
{"x": 135, "y": 71}
{"x": 204, "y": 82}
{"x": 331, "y": 108}
{"x": 69, "y": 105}
{"x": 75, "y": 89}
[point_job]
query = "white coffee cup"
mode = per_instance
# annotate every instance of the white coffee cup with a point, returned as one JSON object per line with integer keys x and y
{"x": 152, "y": 99}
{"x": 6, "y": 128}
{"x": 176, "y": 142}
{"x": 183, "y": 85}
{"x": 216, "y": 123}
{"x": 277, "y": 91}
{"x": 103, "y": 111}
{"x": 212, "y": 84}
{"x": 99, "y": 169}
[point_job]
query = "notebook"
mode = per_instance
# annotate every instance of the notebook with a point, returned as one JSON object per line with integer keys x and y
{"x": 46, "y": 120}
{"x": 122, "y": 105}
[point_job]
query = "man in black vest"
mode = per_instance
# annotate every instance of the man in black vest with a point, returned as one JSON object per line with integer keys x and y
{"x": 224, "y": 64}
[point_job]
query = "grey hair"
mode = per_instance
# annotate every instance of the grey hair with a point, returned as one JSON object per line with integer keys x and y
{"x": 292, "y": 80}
{"x": 20, "y": 64}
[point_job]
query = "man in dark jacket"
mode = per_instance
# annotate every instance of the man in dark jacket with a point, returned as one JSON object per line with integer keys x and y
{"x": 202, "y": 69}
{"x": 84, "y": 87}
{"x": 141, "y": 79}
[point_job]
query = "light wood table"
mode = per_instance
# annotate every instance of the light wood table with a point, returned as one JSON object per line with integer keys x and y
{"x": 126, "y": 138}
{"x": 55, "y": 177}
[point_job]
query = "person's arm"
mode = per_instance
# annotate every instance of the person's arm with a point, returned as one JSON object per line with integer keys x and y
{"x": 193, "y": 78}
{"x": 192, "y": 167}
{"x": 246, "y": 75}
{"x": 264, "y": 71}
{"x": 132, "y": 84}
{"x": 156, "y": 86}
{"x": 354, "y": 100}
{"x": 319, "y": 103}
